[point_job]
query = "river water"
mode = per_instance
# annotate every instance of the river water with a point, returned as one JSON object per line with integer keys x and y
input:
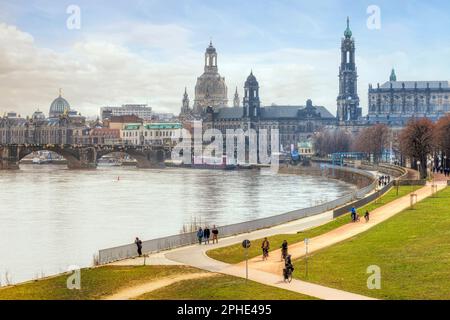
{"x": 52, "y": 218}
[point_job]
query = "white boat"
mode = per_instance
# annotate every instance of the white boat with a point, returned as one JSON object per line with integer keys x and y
{"x": 109, "y": 162}
{"x": 41, "y": 160}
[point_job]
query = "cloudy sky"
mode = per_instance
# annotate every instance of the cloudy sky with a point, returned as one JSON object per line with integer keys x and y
{"x": 138, "y": 51}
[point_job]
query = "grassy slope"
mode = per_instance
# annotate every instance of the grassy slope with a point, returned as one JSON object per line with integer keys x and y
{"x": 95, "y": 283}
{"x": 221, "y": 287}
{"x": 412, "y": 249}
{"x": 234, "y": 254}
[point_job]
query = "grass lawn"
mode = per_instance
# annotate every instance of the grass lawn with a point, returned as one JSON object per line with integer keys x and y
{"x": 234, "y": 254}
{"x": 412, "y": 249}
{"x": 221, "y": 287}
{"x": 95, "y": 283}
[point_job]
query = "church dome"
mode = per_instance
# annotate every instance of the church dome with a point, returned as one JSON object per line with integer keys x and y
{"x": 251, "y": 81}
{"x": 211, "y": 89}
{"x": 38, "y": 115}
{"x": 211, "y": 48}
{"x": 58, "y": 107}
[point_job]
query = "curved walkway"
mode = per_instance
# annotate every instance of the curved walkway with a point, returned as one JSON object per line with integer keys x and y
{"x": 137, "y": 291}
{"x": 340, "y": 234}
{"x": 269, "y": 272}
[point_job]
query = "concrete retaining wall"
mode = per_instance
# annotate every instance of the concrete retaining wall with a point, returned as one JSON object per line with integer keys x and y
{"x": 179, "y": 240}
{"x": 412, "y": 182}
{"x": 360, "y": 203}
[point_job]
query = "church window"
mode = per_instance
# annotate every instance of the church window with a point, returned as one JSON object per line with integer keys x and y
{"x": 348, "y": 57}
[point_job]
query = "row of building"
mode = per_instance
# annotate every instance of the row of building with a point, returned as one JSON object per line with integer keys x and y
{"x": 129, "y": 124}
{"x": 393, "y": 103}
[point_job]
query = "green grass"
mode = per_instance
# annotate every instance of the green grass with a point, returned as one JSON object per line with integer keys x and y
{"x": 95, "y": 283}
{"x": 412, "y": 249}
{"x": 221, "y": 287}
{"x": 234, "y": 254}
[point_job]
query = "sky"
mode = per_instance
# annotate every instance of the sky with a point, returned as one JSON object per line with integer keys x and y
{"x": 138, "y": 51}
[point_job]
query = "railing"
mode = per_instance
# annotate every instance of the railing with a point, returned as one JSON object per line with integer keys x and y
{"x": 165, "y": 243}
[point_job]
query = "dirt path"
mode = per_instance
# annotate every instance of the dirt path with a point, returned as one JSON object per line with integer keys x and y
{"x": 275, "y": 265}
{"x": 136, "y": 291}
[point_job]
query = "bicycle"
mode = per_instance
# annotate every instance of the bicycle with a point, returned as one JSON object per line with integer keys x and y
{"x": 287, "y": 274}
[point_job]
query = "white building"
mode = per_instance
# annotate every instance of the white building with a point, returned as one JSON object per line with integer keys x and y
{"x": 140, "y": 110}
{"x": 151, "y": 133}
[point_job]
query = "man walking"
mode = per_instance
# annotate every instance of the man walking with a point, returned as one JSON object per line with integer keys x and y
{"x": 265, "y": 246}
{"x": 215, "y": 234}
{"x": 353, "y": 214}
{"x": 200, "y": 235}
{"x": 206, "y": 235}
{"x": 138, "y": 243}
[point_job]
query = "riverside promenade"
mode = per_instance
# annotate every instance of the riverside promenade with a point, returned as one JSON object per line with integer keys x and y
{"x": 269, "y": 272}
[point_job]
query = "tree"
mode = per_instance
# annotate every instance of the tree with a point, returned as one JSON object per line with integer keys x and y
{"x": 373, "y": 141}
{"x": 417, "y": 142}
{"x": 331, "y": 141}
{"x": 442, "y": 138}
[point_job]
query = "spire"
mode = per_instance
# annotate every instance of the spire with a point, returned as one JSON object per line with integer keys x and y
{"x": 185, "y": 102}
{"x": 348, "y": 32}
{"x": 236, "y": 102}
{"x": 60, "y": 92}
{"x": 393, "y": 76}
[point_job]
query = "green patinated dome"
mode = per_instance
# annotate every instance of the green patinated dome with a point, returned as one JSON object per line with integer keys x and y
{"x": 348, "y": 32}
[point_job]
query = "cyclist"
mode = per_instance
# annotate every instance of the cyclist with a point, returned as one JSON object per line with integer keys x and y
{"x": 284, "y": 250}
{"x": 288, "y": 269}
{"x": 265, "y": 248}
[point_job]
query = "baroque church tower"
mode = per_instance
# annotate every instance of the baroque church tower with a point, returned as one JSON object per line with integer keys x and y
{"x": 210, "y": 90}
{"x": 252, "y": 104}
{"x": 348, "y": 109}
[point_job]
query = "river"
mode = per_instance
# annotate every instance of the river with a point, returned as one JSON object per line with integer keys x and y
{"x": 52, "y": 217}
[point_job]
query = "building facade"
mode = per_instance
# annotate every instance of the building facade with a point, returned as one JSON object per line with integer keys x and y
{"x": 140, "y": 110}
{"x": 348, "y": 109}
{"x": 151, "y": 133}
{"x": 396, "y": 102}
{"x": 294, "y": 123}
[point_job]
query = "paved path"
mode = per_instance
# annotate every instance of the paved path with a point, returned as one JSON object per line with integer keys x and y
{"x": 269, "y": 272}
{"x": 335, "y": 236}
{"x": 137, "y": 291}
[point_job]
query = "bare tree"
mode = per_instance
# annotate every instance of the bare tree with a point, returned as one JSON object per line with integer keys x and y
{"x": 442, "y": 138}
{"x": 416, "y": 142}
{"x": 373, "y": 141}
{"x": 331, "y": 141}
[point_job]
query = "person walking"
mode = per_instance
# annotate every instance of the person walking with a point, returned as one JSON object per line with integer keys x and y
{"x": 265, "y": 246}
{"x": 138, "y": 243}
{"x": 284, "y": 250}
{"x": 353, "y": 214}
{"x": 200, "y": 235}
{"x": 215, "y": 234}
{"x": 367, "y": 216}
{"x": 206, "y": 235}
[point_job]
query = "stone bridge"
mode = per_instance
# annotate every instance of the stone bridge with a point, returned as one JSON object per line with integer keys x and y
{"x": 85, "y": 156}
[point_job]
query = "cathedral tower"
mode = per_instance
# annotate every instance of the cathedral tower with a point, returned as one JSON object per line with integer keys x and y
{"x": 348, "y": 101}
{"x": 252, "y": 104}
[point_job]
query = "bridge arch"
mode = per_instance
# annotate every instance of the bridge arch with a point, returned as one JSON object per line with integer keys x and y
{"x": 146, "y": 157}
{"x": 76, "y": 157}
